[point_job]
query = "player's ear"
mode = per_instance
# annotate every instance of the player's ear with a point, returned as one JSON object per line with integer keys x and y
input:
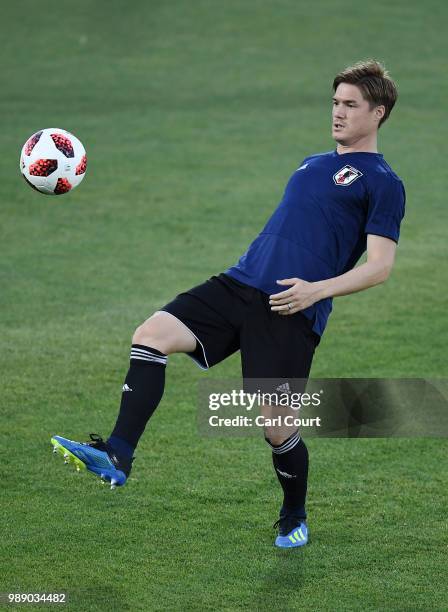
{"x": 380, "y": 112}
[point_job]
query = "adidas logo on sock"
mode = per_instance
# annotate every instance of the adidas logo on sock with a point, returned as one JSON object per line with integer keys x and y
{"x": 284, "y": 388}
{"x": 285, "y": 474}
{"x": 126, "y": 388}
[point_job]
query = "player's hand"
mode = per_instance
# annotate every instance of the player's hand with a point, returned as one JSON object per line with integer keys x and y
{"x": 299, "y": 295}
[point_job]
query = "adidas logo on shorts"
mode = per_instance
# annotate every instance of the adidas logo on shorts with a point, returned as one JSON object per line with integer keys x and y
{"x": 284, "y": 388}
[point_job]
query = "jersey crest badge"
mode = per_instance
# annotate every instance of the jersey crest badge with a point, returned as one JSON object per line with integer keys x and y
{"x": 346, "y": 175}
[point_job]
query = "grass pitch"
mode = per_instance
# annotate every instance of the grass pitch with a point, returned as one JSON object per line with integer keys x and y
{"x": 194, "y": 115}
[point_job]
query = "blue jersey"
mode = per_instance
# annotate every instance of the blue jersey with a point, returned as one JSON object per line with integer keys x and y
{"x": 319, "y": 229}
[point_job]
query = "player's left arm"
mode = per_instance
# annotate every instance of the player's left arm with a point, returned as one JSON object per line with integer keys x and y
{"x": 302, "y": 294}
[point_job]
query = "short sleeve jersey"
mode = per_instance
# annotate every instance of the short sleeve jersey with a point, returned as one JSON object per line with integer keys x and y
{"x": 319, "y": 230}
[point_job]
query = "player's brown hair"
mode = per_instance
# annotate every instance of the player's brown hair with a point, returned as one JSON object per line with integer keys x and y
{"x": 374, "y": 82}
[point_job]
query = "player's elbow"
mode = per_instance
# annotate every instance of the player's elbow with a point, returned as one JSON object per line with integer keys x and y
{"x": 384, "y": 270}
{"x": 380, "y": 271}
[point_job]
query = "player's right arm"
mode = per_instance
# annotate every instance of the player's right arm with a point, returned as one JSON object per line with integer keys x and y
{"x": 376, "y": 270}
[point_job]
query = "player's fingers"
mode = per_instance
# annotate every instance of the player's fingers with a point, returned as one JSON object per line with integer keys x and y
{"x": 290, "y": 311}
{"x": 281, "y": 296}
{"x": 281, "y": 301}
{"x": 279, "y": 308}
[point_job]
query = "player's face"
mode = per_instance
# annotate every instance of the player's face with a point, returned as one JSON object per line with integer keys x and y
{"x": 352, "y": 118}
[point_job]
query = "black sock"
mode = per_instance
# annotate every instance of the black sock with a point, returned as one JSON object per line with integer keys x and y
{"x": 290, "y": 461}
{"x": 142, "y": 391}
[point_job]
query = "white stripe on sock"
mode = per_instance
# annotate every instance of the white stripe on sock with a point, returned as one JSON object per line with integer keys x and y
{"x": 137, "y": 351}
{"x": 286, "y": 443}
{"x": 146, "y": 352}
{"x": 286, "y": 446}
{"x": 153, "y": 359}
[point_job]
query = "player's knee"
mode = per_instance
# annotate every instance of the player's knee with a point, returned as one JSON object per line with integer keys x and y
{"x": 165, "y": 333}
{"x": 275, "y": 437}
{"x": 148, "y": 334}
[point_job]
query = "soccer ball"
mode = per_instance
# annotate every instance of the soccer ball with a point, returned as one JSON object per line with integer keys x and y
{"x": 53, "y": 161}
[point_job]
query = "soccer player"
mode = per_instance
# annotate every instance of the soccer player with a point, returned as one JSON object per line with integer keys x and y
{"x": 273, "y": 305}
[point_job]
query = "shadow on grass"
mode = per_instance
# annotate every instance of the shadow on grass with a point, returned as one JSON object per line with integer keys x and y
{"x": 280, "y": 586}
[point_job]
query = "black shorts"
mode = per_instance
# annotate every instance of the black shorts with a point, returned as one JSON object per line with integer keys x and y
{"x": 225, "y": 316}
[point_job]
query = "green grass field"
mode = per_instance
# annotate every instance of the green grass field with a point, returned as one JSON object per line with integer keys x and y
{"x": 194, "y": 114}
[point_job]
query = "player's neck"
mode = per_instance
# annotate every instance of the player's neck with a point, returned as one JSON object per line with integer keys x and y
{"x": 367, "y": 144}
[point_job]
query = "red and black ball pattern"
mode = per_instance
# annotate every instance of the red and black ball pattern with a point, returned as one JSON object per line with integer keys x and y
{"x": 81, "y": 167}
{"x": 32, "y": 142}
{"x": 63, "y": 144}
{"x": 62, "y": 186}
{"x": 43, "y": 167}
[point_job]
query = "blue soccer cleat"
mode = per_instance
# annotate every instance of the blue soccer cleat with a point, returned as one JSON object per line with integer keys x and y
{"x": 292, "y": 531}
{"x": 96, "y": 456}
